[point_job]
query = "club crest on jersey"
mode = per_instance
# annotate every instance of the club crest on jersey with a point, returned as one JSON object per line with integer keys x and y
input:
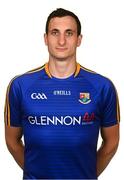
{"x": 84, "y": 98}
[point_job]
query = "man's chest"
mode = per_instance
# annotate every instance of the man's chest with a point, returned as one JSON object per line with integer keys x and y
{"x": 58, "y": 112}
{"x": 61, "y": 103}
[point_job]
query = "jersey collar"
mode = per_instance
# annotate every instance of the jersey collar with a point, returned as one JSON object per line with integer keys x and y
{"x": 49, "y": 74}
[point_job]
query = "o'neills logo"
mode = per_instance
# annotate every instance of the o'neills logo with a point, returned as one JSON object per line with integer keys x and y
{"x": 62, "y": 120}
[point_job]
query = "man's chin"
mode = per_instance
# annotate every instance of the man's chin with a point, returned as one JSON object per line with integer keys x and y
{"x": 61, "y": 58}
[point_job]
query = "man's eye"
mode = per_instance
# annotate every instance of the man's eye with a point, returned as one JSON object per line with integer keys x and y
{"x": 69, "y": 33}
{"x": 54, "y": 33}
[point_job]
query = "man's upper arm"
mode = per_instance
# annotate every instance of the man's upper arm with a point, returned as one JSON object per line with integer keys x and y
{"x": 13, "y": 134}
{"x": 110, "y": 106}
{"x": 13, "y": 125}
{"x": 110, "y": 135}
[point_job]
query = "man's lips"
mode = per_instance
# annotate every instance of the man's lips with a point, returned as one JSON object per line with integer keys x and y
{"x": 61, "y": 49}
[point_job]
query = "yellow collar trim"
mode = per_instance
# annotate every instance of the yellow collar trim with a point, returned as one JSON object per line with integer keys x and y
{"x": 49, "y": 74}
{"x": 77, "y": 70}
{"x": 47, "y": 70}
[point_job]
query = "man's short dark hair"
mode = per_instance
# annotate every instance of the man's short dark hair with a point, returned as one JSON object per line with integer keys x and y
{"x": 62, "y": 13}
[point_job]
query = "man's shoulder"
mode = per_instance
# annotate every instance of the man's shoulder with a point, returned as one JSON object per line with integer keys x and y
{"x": 28, "y": 76}
{"x": 94, "y": 77}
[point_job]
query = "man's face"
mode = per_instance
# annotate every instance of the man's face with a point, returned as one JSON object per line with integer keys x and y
{"x": 62, "y": 39}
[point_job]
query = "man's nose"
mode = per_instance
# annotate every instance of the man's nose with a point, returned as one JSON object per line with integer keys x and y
{"x": 62, "y": 39}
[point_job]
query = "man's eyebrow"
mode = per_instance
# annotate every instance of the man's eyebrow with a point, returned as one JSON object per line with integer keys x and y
{"x": 54, "y": 29}
{"x": 57, "y": 30}
{"x": 70, "y": 30}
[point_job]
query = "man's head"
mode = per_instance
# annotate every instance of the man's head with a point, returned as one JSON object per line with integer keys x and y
{"x": 63, "y": 34}
{"x": 62, "y": 13}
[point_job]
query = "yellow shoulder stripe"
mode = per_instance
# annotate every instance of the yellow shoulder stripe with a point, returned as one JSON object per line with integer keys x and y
{"x": 7, "y": 107}
{"x": 88, "y": 70}
{"x": 36, "y": 69}
{"x": 118, "y": 107}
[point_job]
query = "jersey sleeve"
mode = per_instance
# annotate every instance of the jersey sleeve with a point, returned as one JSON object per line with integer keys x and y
{"x": 12, "y": 111}
{"x": 111, "y": 110}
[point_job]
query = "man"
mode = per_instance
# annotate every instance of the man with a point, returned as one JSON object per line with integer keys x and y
{"x": 60, "y": 109}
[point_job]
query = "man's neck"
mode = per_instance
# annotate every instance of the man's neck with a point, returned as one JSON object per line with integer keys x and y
{"x": 62, "y": 68}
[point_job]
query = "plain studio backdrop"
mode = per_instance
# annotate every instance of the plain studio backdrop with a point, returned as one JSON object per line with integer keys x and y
{"x": 22, "y": 25}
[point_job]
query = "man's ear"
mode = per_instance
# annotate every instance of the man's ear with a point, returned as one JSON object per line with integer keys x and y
{"x": 45, "y": 39}
{"x": 79, "y": 40}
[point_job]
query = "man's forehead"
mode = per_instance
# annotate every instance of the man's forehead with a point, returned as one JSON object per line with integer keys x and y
{"x": 66, "y": 22}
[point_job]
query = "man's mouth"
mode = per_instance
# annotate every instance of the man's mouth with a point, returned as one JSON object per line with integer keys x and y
{"x": 61, "y": 48}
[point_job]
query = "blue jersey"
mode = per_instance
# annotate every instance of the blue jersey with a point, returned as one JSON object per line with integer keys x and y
{"x": 61, "y": 119}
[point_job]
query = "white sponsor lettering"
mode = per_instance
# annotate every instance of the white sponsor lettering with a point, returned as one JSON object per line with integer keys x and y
{"x": 63, "y": 120}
